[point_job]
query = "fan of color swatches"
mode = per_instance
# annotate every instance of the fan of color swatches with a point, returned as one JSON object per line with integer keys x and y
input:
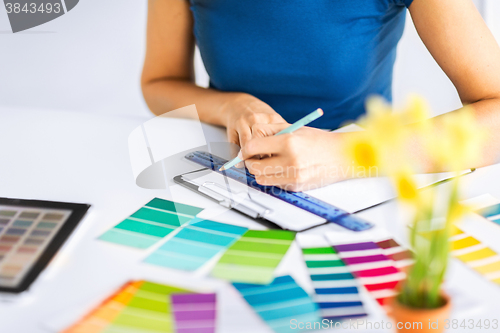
{"x": 402, "y": 257}
{"x": 150, "y": 223}
{"x": 280, "y": 302}
{"x": 194, "y": 313}
{"x": 476, "y": 255}
{"x": 195, "y": 244}
{"x": 375, "y": 271}
{"x": 254, "y": 257}
{"x": 336, "y": 289}
{"x": 138, "y": 307}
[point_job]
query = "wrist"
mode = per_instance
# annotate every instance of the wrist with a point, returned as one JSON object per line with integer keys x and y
{"x": 228, "y": 106}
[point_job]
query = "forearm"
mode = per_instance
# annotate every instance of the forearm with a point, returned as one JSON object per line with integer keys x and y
{"x": 487, "y": 114}
{"x": 164, "y": 95}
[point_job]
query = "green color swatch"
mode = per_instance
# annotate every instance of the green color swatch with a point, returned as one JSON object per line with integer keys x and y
{"x": 254, "y": 257}
{"x": 168, "y": 218}
{"x": 150, "y": 223}
{"x": 137, "y": 240}
{"x": 174, "y": 207}
{"x": 144, "y": 228}
{"x": 319, "y": 250}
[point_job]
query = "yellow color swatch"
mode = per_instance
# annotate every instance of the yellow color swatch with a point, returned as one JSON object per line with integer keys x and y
{"x": 477, "y": 255}
{"x": 497, "y": 281}
{"x": 455, "y": 231}
{"x": 489, "y": 268}
{"x": 464, "y": 243}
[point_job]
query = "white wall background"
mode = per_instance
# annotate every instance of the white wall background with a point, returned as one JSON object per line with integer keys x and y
{"x": 90, "y": 60}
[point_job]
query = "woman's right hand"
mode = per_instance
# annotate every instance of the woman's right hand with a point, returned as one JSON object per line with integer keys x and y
{"x": 242, "y": 112}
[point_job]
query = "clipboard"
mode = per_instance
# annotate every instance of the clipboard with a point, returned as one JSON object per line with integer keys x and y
{"x": 237, "y": 189}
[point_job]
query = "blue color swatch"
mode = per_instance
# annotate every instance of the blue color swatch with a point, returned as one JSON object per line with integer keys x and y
{"x": 279, "y": 302}
{"x": 195, "y": 244}
{"x": 491, "y": 213}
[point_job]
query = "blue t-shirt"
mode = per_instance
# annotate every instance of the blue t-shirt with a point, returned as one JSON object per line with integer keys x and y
{"x": 299, "y": 55}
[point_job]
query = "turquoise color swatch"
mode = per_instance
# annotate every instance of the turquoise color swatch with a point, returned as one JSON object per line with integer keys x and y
{"x": 150, "y": 223}
{"x": 280, "y": 302}
{"x": 491, "y": 213}
{"x": 195, "y": 244}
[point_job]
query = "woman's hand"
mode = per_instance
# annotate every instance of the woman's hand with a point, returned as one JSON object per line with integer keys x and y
{"x": 244, "y": 111}
{"x": 306, "y": 159}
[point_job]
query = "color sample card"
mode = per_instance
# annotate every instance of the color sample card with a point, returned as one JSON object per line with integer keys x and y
{"x": 138, "y": 307}
{"x": 476, "y": 255}
{"x": 150, "y": 223}
{"x": 491, "y": 213}
{"x": 25, "y": 233}
{"x": 279, "y": 302}
{"x": 336, "y": 289}
{"x": 375, "y": 271}
{"x": 254, "y": 257}
{"x": 402, "y": 257}
{"x": 194, "y": 313}
{"x": 196, "y": 244}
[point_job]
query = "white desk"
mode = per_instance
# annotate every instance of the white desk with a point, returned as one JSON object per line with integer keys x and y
{"x": 78, "y": 157}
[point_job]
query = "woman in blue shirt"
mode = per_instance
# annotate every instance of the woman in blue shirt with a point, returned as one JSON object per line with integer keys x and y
{"x": 273, "y": 61}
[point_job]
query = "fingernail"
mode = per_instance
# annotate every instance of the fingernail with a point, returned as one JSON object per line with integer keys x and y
{"x": 240, "y": 165}
{"x": 240, "y": 155}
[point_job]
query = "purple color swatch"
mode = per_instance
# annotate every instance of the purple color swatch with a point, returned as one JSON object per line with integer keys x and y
{"x": 363, "y": 260}
{"x": 194, "y": 313}
{"x": 356, "y": 247}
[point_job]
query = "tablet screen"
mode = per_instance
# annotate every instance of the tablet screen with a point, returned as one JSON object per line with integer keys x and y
{"x": 30, "y": 234}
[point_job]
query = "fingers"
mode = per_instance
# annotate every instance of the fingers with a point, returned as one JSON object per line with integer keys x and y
{"x": 277, "y": 171}
{"x": 267, "y": 166}
{"x": 262, "y": 146}
{"x": 263, "y": 130}
{"x": 244, "y": 135}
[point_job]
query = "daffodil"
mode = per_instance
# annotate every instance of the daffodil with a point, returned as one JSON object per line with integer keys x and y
{"x": 361, "y": 150}
{"x": 452, "y": 145}
{"x": 416, "y": 110}
{"x": 406, "y": 186}
{"x": 384, "y": 126}
{"x": 458, "y": 143}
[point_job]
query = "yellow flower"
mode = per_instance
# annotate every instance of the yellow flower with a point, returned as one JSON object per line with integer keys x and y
{"x": 361, "y": 150}
{"x": 416, "y": 111}
{"x": 383, "y": 125}
{"x": 405, "y": 185}
{"x": 458, "y": 143}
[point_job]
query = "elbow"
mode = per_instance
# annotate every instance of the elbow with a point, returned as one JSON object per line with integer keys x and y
{"x": 148, "y": 96}
{"x": 156, "y": 94}
{"x": 490, "y": 96}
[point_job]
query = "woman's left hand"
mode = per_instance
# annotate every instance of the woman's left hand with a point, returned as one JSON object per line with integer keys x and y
{"x": 306, "y": 159}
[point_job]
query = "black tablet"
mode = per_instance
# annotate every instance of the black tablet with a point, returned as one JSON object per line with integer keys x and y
{"x": 31, "y": 232}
